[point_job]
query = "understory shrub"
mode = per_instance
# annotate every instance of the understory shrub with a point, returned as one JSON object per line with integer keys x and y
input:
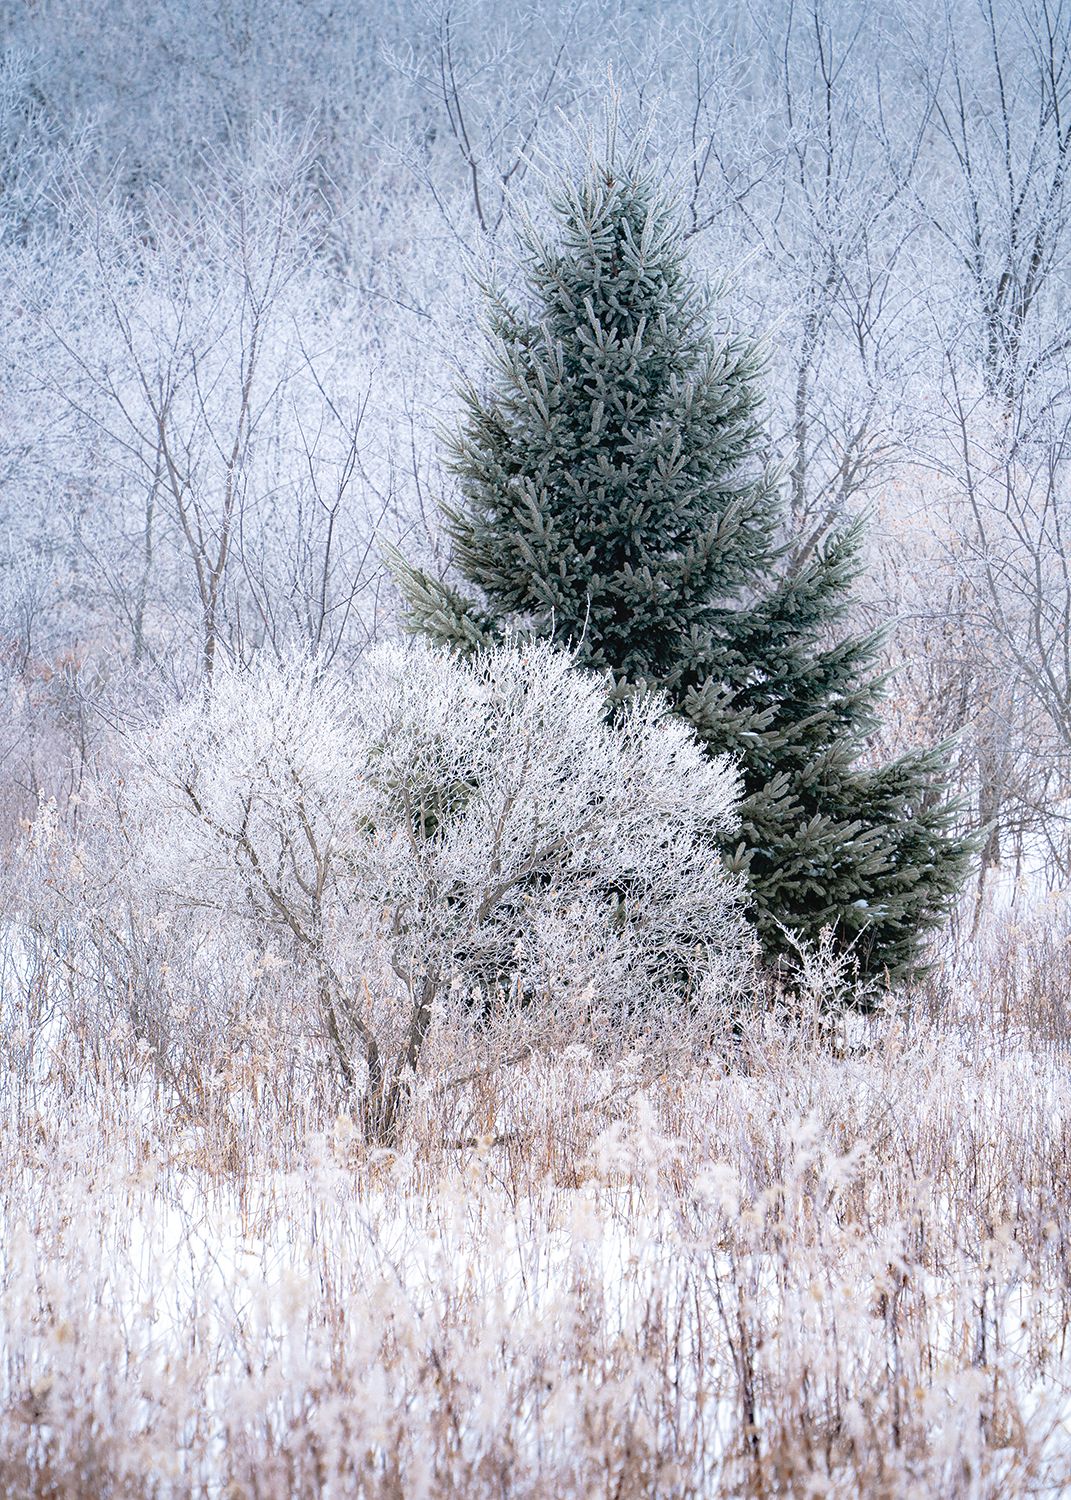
{"x": 438, "y": 850}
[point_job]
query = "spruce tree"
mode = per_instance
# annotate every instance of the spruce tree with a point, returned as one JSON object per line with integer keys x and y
{"x": 613, "y": 498}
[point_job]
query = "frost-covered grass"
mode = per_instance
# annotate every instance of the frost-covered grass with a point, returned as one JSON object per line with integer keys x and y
{"x": 809, "y": 1273}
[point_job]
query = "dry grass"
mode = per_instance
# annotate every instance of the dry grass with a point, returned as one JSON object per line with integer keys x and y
{"x": 809, "y": 1274}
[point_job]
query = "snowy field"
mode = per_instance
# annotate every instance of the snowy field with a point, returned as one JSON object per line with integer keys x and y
{"x": 818, "y": 1274}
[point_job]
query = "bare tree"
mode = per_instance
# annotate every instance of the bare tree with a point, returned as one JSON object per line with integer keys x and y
{"x": 201, "y": 376}
{"x": 802, "y": 175}
{"x": 1012, "y": 551}
{"x": 997, "y": 189}
{"x": 488, "y": 84}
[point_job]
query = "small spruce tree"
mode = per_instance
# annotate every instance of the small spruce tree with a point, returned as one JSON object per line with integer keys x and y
{"x": 613, "y": 498}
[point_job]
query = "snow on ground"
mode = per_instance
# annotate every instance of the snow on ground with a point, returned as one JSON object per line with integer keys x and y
{"x": 840, "y": 1275}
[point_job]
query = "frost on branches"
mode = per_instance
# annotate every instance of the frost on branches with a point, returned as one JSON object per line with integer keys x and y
{"x": 446, "y": 843}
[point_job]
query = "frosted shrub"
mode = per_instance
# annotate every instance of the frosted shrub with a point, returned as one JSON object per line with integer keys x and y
{"x": 437, "y": 841}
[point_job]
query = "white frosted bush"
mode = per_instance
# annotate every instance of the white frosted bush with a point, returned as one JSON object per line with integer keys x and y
{"x": 436, "y": 839}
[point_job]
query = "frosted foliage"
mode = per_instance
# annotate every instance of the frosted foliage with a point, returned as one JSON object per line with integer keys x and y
{"x": 440, "y": 838}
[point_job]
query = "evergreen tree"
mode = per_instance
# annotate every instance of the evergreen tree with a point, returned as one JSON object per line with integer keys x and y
{"x": 613, "y": 498}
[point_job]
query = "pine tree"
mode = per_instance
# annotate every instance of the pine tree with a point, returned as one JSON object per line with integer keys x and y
{"x": 613, "y": 498}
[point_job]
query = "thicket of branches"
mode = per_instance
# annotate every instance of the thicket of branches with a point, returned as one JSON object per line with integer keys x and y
{"x": 236, "y": 308}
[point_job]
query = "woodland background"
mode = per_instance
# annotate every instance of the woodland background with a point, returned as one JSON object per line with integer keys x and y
{"x": 237, "y": 257}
